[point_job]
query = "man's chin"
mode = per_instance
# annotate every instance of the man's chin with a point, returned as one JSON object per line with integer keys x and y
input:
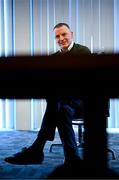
{"x": 64, "y": 48}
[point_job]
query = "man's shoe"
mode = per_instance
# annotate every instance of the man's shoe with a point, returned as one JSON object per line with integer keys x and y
{"x": 26, "y": 156}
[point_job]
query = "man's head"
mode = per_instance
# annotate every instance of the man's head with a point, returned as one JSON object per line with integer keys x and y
{"x": 63, "y": 35}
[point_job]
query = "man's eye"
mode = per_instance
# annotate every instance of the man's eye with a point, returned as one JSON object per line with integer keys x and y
{"x": 64, "y": 34}
{"x": 56, "y": 37}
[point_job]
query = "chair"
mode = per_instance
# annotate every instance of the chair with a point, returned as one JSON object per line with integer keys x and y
{"x": 80, "y": 123}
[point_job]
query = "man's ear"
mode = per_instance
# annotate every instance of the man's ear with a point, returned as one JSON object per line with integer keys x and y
{"x": 72, "y": 34}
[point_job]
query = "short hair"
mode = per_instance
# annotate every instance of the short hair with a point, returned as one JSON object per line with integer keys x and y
{"x": 60, "y": 25}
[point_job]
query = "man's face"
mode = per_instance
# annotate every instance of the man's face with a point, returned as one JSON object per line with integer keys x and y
{"x": 63, "y": 37}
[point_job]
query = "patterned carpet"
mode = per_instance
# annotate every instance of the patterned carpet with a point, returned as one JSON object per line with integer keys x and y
{"x": 13, "y": 141}
{"x": 113, "y": 143}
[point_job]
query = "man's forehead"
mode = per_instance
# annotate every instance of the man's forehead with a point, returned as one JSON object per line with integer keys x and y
{"x": 62, "y": 28}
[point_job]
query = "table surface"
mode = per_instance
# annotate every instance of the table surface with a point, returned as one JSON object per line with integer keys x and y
{"x": 94, "y": 77}
{"x": 41, "y": 76}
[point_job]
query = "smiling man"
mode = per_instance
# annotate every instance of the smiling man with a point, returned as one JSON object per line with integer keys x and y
{"x": 59, "y": 112}
{"x": 64, "y": 39}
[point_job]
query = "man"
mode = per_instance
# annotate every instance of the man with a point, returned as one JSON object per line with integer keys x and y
{"x": 59, "y": 112}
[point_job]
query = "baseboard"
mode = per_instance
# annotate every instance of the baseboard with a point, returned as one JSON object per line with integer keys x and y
{"x": 112, "y": 130}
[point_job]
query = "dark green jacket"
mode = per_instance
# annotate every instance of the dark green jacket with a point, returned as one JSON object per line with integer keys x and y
{"x": 77, "y": 49}
{"x": 75, "y": 104}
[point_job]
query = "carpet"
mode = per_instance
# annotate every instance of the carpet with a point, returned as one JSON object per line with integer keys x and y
{"x": 13, "y": 141}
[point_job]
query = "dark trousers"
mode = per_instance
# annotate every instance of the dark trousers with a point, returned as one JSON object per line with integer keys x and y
{"x": 59, "y": 114}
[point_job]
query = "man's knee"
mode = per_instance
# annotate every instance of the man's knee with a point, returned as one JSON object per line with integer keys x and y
{"x": 67, "y": 110}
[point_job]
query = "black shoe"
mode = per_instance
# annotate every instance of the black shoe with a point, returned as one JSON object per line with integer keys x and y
{"x": 26, "y": 156}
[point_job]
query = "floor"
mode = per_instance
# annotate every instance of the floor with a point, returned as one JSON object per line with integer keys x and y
{"x": 13, "y": 141}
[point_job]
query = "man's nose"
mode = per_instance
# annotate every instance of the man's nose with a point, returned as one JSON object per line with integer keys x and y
{"x": 61, "y": 38}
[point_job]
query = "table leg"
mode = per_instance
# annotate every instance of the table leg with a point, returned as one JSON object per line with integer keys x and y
{"x": 95, "y": 138}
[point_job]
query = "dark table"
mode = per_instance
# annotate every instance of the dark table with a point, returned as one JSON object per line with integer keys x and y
{"x": 91, "y": 77}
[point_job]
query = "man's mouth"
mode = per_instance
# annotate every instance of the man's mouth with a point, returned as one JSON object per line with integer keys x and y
{"x": 64, "y": 43}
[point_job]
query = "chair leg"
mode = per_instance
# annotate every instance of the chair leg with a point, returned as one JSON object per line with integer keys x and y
{"x": 112, "y": 152}
{"x": 52, "y": 145}
{"x": 50, "y": 150}
{"x": 80, "y": 135}
{"x": 80, "y": 138}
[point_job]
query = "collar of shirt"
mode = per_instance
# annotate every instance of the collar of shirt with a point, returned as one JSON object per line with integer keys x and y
{"x": 69, "y": 48}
